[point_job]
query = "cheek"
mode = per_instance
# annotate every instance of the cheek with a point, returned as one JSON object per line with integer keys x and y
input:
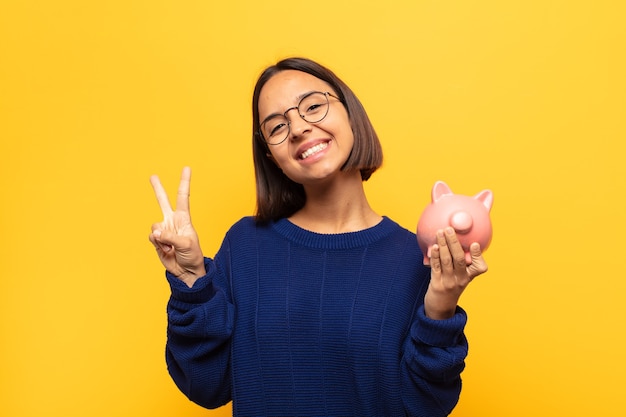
{"x": 338, "y": 126}
{"x": 277, "y": 157}
{"x": 348, "y": 136}
{"x": 346, "y": 130}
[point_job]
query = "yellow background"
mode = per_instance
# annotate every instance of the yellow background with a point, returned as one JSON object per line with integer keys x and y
{"x": 524, "y": 97}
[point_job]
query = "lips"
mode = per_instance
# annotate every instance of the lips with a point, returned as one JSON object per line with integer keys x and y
{"x": 311, "y": 149}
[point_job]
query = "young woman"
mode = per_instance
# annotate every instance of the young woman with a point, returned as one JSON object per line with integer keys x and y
{"x": 317, "y": 305}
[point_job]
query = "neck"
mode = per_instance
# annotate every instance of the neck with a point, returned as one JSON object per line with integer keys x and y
{"x": 337, "y": 207}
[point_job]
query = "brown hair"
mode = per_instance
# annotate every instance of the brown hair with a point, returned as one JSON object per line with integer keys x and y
{"x": 278, "y": 196}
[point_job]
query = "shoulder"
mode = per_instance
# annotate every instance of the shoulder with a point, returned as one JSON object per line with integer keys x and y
{"x": 402, "y": 241}
{"x": 246, "y": 224}
{"x": 397, "y": 231}
{"x": 246, "y": 227}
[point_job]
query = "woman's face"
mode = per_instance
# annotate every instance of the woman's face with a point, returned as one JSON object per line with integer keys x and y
{"x": 312, "y": 153}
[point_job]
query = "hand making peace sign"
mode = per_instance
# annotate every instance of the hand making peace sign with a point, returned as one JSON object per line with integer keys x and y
{"x": 175, "y": 239}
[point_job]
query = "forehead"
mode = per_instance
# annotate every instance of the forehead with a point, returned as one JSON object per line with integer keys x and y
{"x": 285, "y": 89}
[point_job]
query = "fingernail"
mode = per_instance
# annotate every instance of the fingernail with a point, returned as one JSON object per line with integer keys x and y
{"x": 449, "y": 231}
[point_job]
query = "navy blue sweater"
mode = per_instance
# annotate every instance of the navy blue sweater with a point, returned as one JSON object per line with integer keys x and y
{"x": 287, "y": 322}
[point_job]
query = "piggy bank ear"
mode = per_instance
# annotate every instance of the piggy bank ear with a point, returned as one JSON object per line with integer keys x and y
{"x": 440, "y": 189}
{"x": 485, "y": 197}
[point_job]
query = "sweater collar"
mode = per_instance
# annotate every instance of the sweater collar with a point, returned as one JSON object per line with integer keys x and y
{"x": 347, "y": 240}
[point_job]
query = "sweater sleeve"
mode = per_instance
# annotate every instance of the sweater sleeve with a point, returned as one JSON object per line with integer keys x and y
{"x": 200, "y": 322}
{"x": 434, "y": 357}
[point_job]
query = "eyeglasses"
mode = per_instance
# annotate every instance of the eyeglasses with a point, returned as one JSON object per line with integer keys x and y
{"x": 313, "y": 108}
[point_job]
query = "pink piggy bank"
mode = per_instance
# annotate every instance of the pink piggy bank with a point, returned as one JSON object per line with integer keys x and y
{"x": 469, "y": 216}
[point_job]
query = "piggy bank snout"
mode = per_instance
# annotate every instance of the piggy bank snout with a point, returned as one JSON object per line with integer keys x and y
{"x": 461, "y": 222}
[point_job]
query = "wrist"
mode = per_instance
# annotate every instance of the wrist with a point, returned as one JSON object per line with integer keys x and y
{"x": 189, "y": 277}
{"x": 439, "y": 314}
{"x": 439, "y": 308}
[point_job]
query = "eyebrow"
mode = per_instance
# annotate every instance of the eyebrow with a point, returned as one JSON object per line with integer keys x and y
{"x": 298, "y": 98}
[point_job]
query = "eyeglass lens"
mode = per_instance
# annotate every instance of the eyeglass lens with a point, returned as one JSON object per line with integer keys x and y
{"x": 312, "y": 108}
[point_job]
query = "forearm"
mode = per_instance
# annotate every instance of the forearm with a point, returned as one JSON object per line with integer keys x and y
{"x": 200, "y": 322}
{"x": 434, "y": 357}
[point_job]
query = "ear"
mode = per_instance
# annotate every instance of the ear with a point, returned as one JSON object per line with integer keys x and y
{"x": 485, "y": 197}
{"x": 440, "y": 189}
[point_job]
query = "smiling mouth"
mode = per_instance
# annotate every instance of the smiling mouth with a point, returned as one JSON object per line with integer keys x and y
{"x": 313, "y": 150}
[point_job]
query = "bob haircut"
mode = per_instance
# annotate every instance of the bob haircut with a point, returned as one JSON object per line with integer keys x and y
{"x": 277, "y": 196}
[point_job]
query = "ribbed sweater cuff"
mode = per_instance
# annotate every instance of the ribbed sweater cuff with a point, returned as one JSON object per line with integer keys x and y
{"x": 200, "y": 292}
{"x": 439, "y": 333}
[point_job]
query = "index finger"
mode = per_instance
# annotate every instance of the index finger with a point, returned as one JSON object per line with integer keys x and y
{"x": 161, "y": 196}
{"x": 182, "y": 199}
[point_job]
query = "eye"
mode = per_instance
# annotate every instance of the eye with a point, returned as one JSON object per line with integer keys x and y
{"x": 275, "y": 126}
{"x": 314, "y": 107}
{"x": 277, "y": 129}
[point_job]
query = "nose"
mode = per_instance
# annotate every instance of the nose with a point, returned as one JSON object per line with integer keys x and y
{"x": 297, "y": 125}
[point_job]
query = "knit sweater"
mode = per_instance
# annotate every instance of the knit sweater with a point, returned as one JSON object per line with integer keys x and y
{"x": 288, "y": 322}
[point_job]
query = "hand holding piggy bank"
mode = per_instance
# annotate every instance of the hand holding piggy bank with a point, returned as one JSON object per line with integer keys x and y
{"x": 468, "y": 216}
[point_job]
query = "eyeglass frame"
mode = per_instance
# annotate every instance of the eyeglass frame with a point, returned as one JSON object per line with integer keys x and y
{"x": 297, "y": 107}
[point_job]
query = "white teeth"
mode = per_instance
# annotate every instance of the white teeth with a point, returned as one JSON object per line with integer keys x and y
{"x": 313, "y": 150}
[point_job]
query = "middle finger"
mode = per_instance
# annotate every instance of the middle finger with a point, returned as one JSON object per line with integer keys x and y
{"x": 445, "y": 258}
{"x": 456, "y": 250}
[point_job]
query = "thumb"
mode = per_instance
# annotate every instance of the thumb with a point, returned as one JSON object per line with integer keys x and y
{"x": 169, "y": 238}
{"x": 181, "y": 244}
{"x": 164, "y": 240}
{"x": 478, "y": 265}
